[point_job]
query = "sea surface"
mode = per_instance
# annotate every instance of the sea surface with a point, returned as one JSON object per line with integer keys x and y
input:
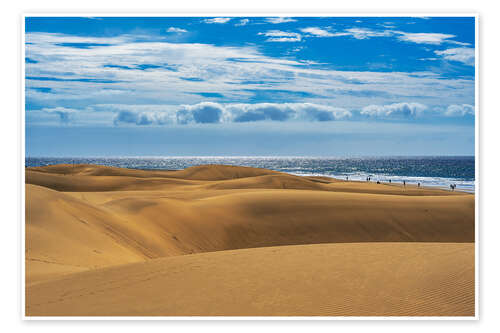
{"x": 436, "y": 171}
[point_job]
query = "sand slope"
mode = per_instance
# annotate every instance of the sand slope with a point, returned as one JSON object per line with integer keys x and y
{"x": 64, "y": 234}
{"x": 363, "y": 279}
{"x": 83, "y": 220}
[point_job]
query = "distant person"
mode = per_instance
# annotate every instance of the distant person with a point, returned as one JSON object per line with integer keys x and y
{"x": 389, "y": 180}
{"x": 347, "y": 178}
{"x": 452, "y": 187}
{"x": 418, "y": 184}
{"x": 404, "y": 183}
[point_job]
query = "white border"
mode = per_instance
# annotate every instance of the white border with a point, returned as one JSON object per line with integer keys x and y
{"x": 250, "y": 13}
{"x": 22, "y": 164}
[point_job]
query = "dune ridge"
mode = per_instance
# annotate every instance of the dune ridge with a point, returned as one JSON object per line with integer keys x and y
{"x": 83, "y": 221}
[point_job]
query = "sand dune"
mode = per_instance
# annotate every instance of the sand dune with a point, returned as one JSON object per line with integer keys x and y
{"x": 202, "y": 172}
{"x": 363, "y": 279}
{"x": 65, "y": 235}
{"x": 92, "y": 178}
{"x": 83, "y": 220}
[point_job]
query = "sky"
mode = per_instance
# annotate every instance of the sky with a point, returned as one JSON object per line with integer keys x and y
{"x": 249, "y": 86}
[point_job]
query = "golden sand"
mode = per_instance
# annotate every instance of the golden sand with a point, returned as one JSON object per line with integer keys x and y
{"x": 221, "y": 240}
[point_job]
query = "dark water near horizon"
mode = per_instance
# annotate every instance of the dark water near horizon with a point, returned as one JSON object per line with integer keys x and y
{"x": 438, "y": 171}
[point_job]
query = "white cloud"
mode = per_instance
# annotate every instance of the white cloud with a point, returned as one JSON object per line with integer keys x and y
{"x": 418, "y": 38}
{"x": 281, "y": 36}
{"x": 459, "y": 110}
{"x": 138, "y": 114}
{"x": 317, "y": 32}
{"x": 457, "y": 43}
{"x": 278, "y": 20}
{"x": 387, "y": 25}
{"x": 219, "y": 20}
{"x": 361, "y": 33}
{"x": 424, "y": 38}
{"x": 63, "y": 113}
{"x": 176, "y": 30}
{"x": 205, "y": 112}
{"x": 405, "y": 110}
{"x": 142, "y": 118}
{"x": 462, "y": 54}
{"x": 242, "y": 22}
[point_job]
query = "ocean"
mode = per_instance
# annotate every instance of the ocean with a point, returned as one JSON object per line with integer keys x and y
{"x": 435, "y": 171}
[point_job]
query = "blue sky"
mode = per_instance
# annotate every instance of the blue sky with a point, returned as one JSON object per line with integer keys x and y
{"x": 316, "y": 86}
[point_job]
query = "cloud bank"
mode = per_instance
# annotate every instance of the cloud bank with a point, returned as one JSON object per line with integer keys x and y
{"x": 216, "y": 113}
{"x": 212, "y": 113}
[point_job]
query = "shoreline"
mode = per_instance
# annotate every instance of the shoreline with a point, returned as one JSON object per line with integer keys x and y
{"x": 424, "y": 184}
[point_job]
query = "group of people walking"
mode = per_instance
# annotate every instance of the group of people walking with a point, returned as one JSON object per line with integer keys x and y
{"x": 369, "y": 178}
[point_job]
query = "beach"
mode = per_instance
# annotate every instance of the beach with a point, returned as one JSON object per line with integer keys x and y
{"x": 217, "y": 240}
